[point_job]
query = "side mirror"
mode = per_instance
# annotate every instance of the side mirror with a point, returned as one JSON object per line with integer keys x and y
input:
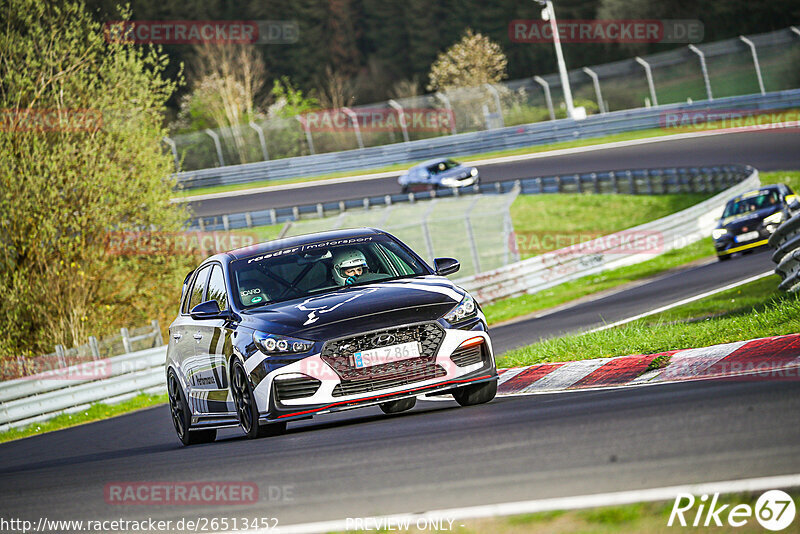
{"x": 208, "y": 310}
{"x": 445, "y": 266}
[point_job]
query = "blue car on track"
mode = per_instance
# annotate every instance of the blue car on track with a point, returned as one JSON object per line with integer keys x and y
{"x": 438, "y": 173}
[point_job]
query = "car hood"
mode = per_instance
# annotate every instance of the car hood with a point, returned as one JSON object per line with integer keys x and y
{"x": 751, "y": 219}
{"x": 357, "y": 309}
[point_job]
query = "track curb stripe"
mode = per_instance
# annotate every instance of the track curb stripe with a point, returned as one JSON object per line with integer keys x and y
{"x": 762, "y": 358}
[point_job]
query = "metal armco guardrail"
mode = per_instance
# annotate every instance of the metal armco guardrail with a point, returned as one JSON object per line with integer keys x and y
{"x": 553, "y": 268}
{"x": 34, "y": 398}
{"x": 632, "y": 181}
{"x": 476, "y": 142}
{"x": 786, "y": 242}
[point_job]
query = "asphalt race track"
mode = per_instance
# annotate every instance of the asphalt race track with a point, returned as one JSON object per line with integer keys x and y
{"x": 765, "y": 150}
{"x": 438, "y": 456}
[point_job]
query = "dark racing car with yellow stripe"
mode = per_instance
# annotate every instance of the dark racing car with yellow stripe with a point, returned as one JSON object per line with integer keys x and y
{"x": 750, "y": 218}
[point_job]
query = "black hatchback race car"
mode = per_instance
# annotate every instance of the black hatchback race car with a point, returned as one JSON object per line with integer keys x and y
{"x": 296, "y": 327}
{"x": 750, "y": 218}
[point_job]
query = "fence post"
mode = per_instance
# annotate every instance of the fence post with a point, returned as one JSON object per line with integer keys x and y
{"x": 446, "y": 100}
{"x": 596, "y": 82}
{"x": 61, "y": 356}
{"x": 261, "y": 139}
{"x": 174, "y": 149}
{"x": 471, "y": 236}
{"x": 703, "y": 67}
{"x": 493, "y": 90}
{"x": 213, "y": 135}
{"x": 752, "y": 46}
{"x": 401, "y": 118}
{"x": 649, "y": 73}
{"x": 307, "y": 130}
{"x": 546, "y": 86}
{"x": 126, "y": 339}
{"x": 94, "y": 348}
{"x": 354, "y": 119}
{"x": 157, "y": 339}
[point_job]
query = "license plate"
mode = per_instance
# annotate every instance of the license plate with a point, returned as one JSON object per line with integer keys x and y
{"x": 749, "y": 236}
{"x": 381, "y": 355}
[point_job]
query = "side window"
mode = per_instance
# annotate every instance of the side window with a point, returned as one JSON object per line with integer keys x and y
{"x": 196, "y": 293}
{"x": 216, "y": 288}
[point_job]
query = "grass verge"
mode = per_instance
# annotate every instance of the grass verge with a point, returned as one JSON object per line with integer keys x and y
{"x": 93, "y": 413}
{"x": 750, "y": 311}
{"x": 626, "y": 136}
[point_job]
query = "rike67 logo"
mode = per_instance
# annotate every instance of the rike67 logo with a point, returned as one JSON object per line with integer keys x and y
{"x": 774, "y": 510}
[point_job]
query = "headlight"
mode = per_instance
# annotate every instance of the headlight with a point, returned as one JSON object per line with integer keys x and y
{"x": 775, "y": 218}
{"x": 465, "y": 309}
{"x": 474, "y": 172}
{"x": 449, "y": 182}
{"x": 716, "y": 233}
{"x": 272, "y": 344}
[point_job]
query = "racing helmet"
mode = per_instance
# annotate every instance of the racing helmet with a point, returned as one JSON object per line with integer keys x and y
{"x": 346, "y": 259}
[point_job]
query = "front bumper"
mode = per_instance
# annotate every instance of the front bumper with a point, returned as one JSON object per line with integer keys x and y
{"x": 329, "y": 392}
{"x": 726, "y": 245}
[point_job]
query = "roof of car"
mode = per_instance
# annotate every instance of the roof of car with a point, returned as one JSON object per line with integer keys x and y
{"x": 305, "y": 239}
{"x": 431, "y": 162}
{"x": 755, "y": 192}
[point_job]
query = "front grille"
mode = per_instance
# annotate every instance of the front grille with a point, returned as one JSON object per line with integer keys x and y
{"x": 356, "y": 387}
{"x": 339, "y": 353}
{"x": 296, "y": 388}
{"x": 468, "y": 356}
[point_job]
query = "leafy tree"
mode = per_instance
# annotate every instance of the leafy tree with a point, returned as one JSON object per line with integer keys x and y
{"x": 81, "y": 158}
{"x": 474, "y": 60}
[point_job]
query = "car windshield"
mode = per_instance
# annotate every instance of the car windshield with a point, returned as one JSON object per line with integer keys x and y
{"x": 442, "y": 166}
{"x": 318, "y": 267}
{"x": 764, "y": 199}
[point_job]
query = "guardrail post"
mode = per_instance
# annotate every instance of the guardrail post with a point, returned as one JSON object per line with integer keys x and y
{"x": 703, "y": 67}
{"x": 649, "y": 74}
{"x": 261, "y": 139}
{"x": 354, "y": 119}
{"x": 94, "y": 348}
{"x": 401, "y": 118}
{"x": 366, "y": 203}
{"x": 248, "y": 219}
{"x": 320, "y": 211}
{"x": 387, "y": 199}
{"x": 213, "y": 135}
{"x": 614, "y": 183}
{"x": 226, "y": 224}
{"x": 596, "y": 82}
{"x": 342, "y": 206}
{"x": 273, "y": 216}
{"x": 296, "y": 213}
{"x": 158, "y": 341}
{"x": 446, "y": 101}
{"x": 649, "y": 182}
{"x": 547, "y": 98}
{"x": 558, "y": 184}
{"x": 596, "y": 183}
{"x": 752, "y": 46}
{"x": 539, "y": 184}
{"x": 126, "y": 339}
{"x": 307, "y": 130}
{"x": 631, "y": 182}
{"x": 174, "y": 150}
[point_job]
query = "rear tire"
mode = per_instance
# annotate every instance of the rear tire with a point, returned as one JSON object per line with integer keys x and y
{"x": 398, "y": 406}
{"x": 246, "y": 407}
{"x": 181, "y": 415}
{"x": 475, "y": 393}
{"x": 724, "y": 258}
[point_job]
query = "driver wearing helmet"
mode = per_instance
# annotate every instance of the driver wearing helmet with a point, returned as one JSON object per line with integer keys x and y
{"x": 348, "y": 265}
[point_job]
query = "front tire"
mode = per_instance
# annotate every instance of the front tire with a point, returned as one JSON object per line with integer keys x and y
{"x": 246, "y": 407}
{"x": 181, "y": 415}
{"x": 475, "y": 393}
{"x": 398, "y": 406}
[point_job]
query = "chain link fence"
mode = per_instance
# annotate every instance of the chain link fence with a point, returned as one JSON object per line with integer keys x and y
{"x": 747, "y": 65}
{"x": 475, "y": 230}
